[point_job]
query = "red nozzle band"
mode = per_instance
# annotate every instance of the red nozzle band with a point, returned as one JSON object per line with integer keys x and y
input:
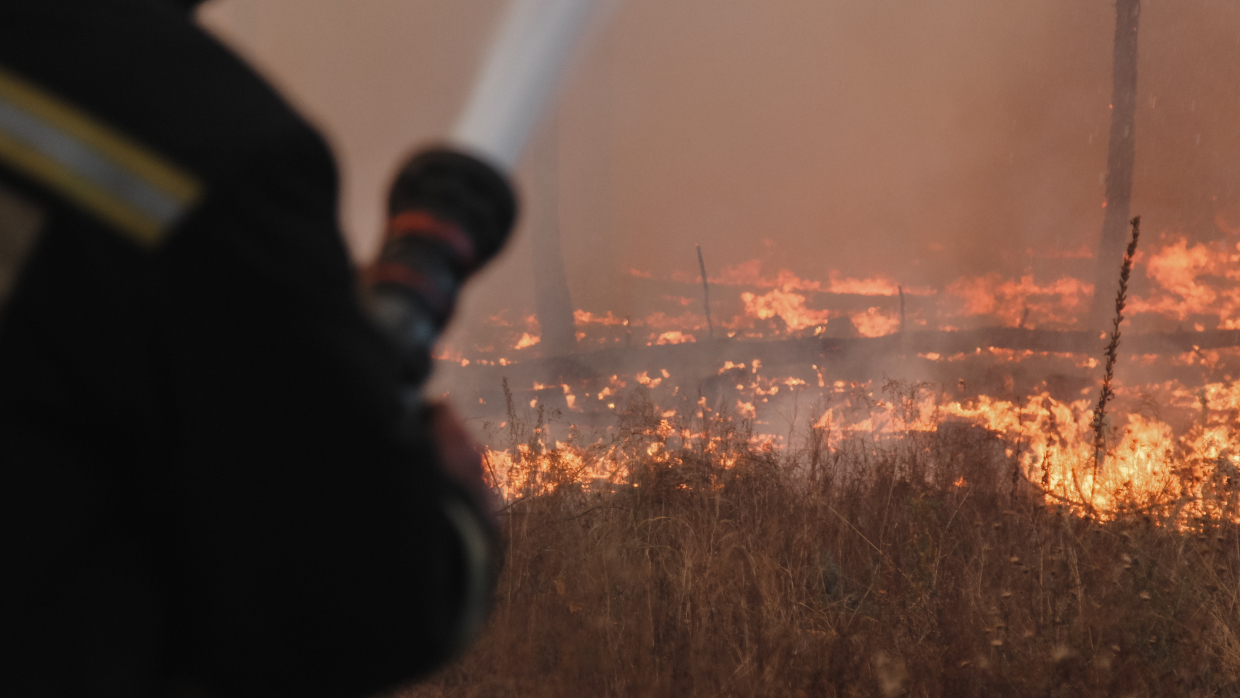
{"x": 423, "y": 224}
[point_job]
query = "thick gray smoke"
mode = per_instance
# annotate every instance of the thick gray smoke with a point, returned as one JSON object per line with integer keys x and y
{"x": 916, "y": 139}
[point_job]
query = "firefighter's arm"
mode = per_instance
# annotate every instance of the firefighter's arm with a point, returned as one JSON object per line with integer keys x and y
{"x": 323, "y": 553}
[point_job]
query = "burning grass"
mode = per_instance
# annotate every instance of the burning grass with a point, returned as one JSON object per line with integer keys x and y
{"x": 931, "y": 553}
{"x": 1179, "y": 284}
{"x": 921, "y": 541}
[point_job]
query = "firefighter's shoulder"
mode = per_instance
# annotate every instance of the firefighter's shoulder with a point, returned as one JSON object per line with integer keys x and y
{"x": 128, "y": 113}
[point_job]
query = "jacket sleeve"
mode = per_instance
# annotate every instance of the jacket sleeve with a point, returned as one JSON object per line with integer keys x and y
{"x": 317, "y": 553}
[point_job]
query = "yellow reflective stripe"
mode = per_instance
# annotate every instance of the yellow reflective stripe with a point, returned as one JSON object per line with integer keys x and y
{"x": 35, "y": 164}
{"x": 100, "y": 169}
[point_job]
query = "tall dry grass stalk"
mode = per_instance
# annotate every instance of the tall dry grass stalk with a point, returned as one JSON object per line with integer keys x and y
{"x": 1111, "y": 352}
{"x": 903, "y": 565}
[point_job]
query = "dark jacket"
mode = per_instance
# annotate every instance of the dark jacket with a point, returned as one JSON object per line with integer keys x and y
{"x": 201, "y": 486}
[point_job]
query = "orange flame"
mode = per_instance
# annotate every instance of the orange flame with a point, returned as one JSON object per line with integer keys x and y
{"x": 789, "y": 307}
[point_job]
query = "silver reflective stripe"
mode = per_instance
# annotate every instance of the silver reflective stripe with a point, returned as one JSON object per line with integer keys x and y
{"x": 88, "y": 163}
{"x": 127, "y": 186}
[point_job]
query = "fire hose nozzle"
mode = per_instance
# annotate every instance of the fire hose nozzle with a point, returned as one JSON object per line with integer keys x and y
{"x": 448, "y": 214}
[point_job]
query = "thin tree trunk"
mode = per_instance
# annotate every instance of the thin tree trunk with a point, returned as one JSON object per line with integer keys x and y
{"x": 1121, "y": 156}
{"x": 551, "y": 295}
{"x": 710, "y": 325}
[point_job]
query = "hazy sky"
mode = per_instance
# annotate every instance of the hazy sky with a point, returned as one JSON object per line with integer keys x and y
{"x": 920, "y": 139}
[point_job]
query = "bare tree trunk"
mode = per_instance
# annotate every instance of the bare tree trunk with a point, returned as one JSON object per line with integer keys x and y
{"x": 551, "y": 295}
{"x": 1121, "y": 156}
{"x": 710, "y": 325}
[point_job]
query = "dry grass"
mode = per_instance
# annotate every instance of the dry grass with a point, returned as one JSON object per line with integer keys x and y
{"x": 1112, "y": 349}
{"x": 718, "y": 568}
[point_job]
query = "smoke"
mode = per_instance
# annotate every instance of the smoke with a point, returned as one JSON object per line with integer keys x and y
{"x": 916, "y": 140}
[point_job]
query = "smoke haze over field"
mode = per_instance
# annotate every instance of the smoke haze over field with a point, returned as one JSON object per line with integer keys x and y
{"x": 912, "y": 139}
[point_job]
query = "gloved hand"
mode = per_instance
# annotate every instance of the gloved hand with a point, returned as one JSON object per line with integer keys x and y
{"x": 461, "y": 459}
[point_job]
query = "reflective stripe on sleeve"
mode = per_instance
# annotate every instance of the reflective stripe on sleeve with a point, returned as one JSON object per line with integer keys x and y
{"x": 104, "y": 172}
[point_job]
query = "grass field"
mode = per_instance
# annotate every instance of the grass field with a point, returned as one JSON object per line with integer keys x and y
{"x": 694, "y": 560}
